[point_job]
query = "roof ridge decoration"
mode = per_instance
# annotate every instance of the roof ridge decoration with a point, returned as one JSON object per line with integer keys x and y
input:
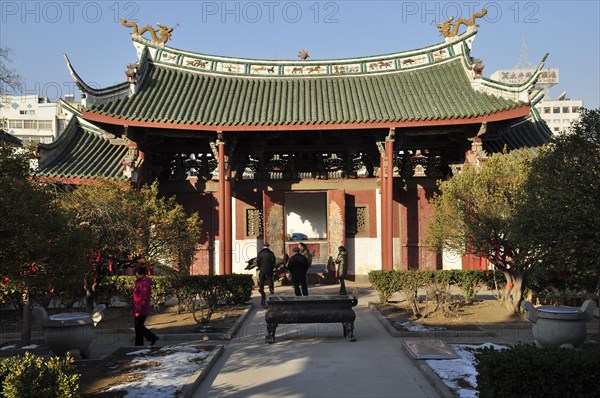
{"x": 378, "y": 64}
{"x": 165, "y": 32}
{"x": 446, "y": 28}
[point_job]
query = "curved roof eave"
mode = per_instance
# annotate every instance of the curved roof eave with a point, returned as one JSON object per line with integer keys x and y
{"x": 81, "y": 153}
{"x": 507, "y": 114}
{"x": 172, "y": 98}
{"x": 85, "y": 88}
{"x": 521, "y": 87}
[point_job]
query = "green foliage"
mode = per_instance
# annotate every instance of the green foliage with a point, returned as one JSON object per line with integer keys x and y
{"x": 128, "y": 226}
{"x": 385, "y": 282}
{"x": 41, "y": 245}
{"x": 9, "y": 291}
{"x": 201, "y": 294}
{"x": 476, "y": 214}
{"x": 69, "y": 290}
{"x": 528, "y": 371}
{"x": 438, "y": 290}
{"x": 32, "y": 376}
{"x": 162, "y": 290}
{"x": 169, "y": 235}
{"x": 212, "y": 292}
{"x": 436, "y": 284}
{"x": 469, "y": 281}
{"x": 561, "y": 217}
{"x": 493, "y": 280}
{"x": 410, "y": 283}
{"x": 108, "y": 290}
{"x": 184, "y": 291}
{"x": 119, "y": 288}
{"x": 475, "y": 211}
{"x": 238, "y": 288}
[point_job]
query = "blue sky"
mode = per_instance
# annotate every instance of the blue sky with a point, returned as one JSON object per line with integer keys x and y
{"x": 100, "y": 48}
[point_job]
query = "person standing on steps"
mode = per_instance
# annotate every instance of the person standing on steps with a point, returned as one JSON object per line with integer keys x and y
{"x": 305, "y": 252}
{"x": 142, "y": 306}
{"x": 265, "y": 260}
{"x": 298, "y": 266}
{"x": 342, "y": 268}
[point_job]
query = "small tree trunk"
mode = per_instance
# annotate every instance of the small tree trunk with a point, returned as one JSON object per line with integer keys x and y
{"x": 26, "y": 327}
{"x": 507, "y": 289}
{"x": 513, "y": 294}
{"x": 90, "y": 295}
{"x": 598, "y": 294}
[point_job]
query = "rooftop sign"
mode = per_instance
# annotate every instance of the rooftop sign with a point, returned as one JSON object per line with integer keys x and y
{"x": 548, "y": 76}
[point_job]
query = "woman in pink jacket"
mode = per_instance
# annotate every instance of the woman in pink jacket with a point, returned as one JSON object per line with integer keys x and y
{"x": 142, "y": 307}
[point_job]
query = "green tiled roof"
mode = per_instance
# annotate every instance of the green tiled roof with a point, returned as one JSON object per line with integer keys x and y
{"x": 441, "y": 91}
{"x": 530, "y": 132}
{"x": 9, "y": 138}
{"x": 83, "y": 153}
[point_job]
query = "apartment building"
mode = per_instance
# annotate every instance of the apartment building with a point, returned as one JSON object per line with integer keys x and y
{"x": 33, "y": 118}
{"x": 559, "y": 113}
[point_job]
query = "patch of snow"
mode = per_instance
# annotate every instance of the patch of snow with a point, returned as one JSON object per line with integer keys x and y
{"x": 179, "y": 348}
{"x": 166, "y": 379}
{"x": 459, "y": 375}
{"x": 29, "y": 347}
{"x": 8, "y": 347}
{"x": 140, "y": 352}
{"x": 413, "y": 327}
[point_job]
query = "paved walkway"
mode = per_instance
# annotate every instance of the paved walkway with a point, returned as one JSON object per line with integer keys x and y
{"x": 314, "y": 360}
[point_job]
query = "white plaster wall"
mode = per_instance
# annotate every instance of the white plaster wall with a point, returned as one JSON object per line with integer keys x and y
{"x": 306, "y": 213}
{"x": 397, "y": 252}
{"x": 364, "y": 255}
{"x": 216, "y": 258}
{"x": 243, "y": 250}
{"x": 378, "y": 210}
{"x": 451, "y": 260}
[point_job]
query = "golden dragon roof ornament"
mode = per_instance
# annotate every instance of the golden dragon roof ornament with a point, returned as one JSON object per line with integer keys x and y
{"x": 446, "y": 28}
{"x": 165, "y": 32}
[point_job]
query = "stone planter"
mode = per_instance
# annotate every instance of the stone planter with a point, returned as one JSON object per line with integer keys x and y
{"x": 559, "y": 326}
{"x": 69, "y": 331}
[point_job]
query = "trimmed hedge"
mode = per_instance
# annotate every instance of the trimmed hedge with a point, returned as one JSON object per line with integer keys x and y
{"x": 386, "y": 283}
{"x": 33, "y": 376}
{"x": 527, "y": 371}
{"x": 225, "y": 289}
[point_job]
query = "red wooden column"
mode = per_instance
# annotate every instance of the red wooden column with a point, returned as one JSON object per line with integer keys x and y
{"x": 389, "y": 199}
{"x": 387, "y": 196}
{"x": 228, "y": 225}
{"x": 384, "y": 216}
{"x": 222, "y": 207}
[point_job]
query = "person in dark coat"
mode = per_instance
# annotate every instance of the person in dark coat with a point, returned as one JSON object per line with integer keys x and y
{"x": 265, "y": 260}
{"x": 342, "y": 268}
{"x": 303, "y": 249}
{"x": 298, "y": 266}
{"x": 142, "y": 307}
